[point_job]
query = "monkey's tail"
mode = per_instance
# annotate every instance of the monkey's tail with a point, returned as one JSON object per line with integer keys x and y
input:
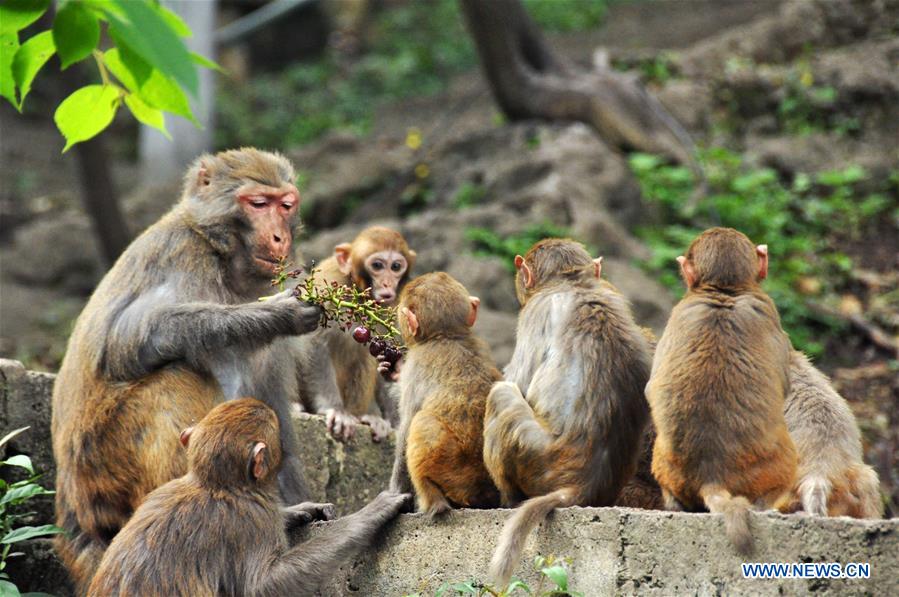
{"x": 814, "y": 491}
{"x": 519, "y": 526}
{"x": 736, "y": 515}
{"x": 867, "y": 488}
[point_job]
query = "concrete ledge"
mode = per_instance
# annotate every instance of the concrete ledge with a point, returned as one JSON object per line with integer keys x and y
{"x": 624, "y": 551}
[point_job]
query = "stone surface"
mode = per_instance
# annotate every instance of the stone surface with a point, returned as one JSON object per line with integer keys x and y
{"x": 612, "y": 550}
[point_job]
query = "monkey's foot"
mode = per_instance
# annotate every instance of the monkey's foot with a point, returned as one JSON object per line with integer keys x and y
{"x": 341, "y": 424}
{"x": 306, "y": 512}
{"x": 380, "y": 428}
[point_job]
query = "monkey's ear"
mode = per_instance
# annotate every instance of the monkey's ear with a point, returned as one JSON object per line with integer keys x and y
{"x": 184, "y": 438}
{"x": 259, "y": 461}
{"x": 410, "y": 261}
{"x": 524, "y": 271}
{"x": 473, "y": 313}
{"x": 342, "y": 255}
{"x": 411, "y": 320}
{"x": 687, "y": 271}
{"x": 762, "y": 252}
{"x": 597, "y": 267}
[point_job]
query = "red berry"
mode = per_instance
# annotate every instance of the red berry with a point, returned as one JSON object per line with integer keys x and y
{"x": 376, "y": 347}
{"x": 361, "y": 334}
{"x": 392, "y": 355}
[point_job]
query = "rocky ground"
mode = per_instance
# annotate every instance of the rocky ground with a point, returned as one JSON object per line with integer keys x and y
{"x": 473, "y": 171}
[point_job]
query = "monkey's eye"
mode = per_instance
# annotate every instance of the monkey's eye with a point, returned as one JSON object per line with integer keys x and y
{"x": 287, "y": 205}
{"x": 258, "y": 203}
{"x": 377, "y": 266}
{"x": 396, "y": 266}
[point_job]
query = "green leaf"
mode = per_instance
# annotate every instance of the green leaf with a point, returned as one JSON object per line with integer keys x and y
{"x": 76, "y": 33}
{"x": 12, "y": 434}
{"x": 30, "y": 58}
{"x": 23, "y": 533}
{"x": 25, "y": 492}
{"x": 517, "y": 584}
{"x": 148, "y": 33}
{"x": 15, "y": 15}
{"x": 558, "y": 575}
{"x": 7, "y": 589}
{"x": 21, "y": 461}
{"x": 9, "y": 45}
{"x": 145, "y": 114}
{"x": 175, "y": 22}
{"x": 154, "y": 89}
{"x": 206, "y": 62}
{"x": 86, "y": 112}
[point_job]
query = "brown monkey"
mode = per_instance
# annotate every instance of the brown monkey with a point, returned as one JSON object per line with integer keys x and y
{"x": 564, "y": 428}
{"x": 218, "y": 530}
{"x": 833, "y": 480}
{"x": 338, "y": 377}
{"x": 174, "y": 328}
{"x": 717, "y": 389}
{"x": 445, "y": 380}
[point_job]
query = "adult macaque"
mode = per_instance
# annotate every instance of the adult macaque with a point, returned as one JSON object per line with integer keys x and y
{"x": 338, "y": 376}
{"x": 833, "y": 480}
{"x": 719, "y": 380}
{"x": 564, "y": 429}
{"x": 445, "y": 379}
{"x": 219, "y": 529}
{"x": 174, "y": 328}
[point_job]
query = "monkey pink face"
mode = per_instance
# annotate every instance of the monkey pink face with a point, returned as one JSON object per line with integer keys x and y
{"x": 270, "y": 211}
{"x": 386, "y": 270}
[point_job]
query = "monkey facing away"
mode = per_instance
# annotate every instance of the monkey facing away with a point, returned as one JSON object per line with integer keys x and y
{"x": 172, "y": 329}
{"x": 219, "y": 530}
{"x": 833, "y": 479}
{"x": 565, "y": 427}
{"x": 338, "y": 376}
{"x": 717, "y": 389}
{"x": 446, "y": 376}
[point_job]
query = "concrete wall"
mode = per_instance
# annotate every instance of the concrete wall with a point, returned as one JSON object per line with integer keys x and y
{"x": 613, "y": 550}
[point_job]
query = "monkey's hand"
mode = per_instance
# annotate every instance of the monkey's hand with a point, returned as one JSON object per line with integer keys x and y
{"x": 380, "y": 428}
{"x": 384, "y": 368}
{"x": 306, "y": 512}
{"x": 305, "y": 317}
{"x": 341, "y": 424}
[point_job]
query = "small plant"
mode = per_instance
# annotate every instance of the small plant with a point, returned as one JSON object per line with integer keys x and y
{"x": 488, "y": 243}
{"x": 349, "y": 308}
{"x": 469, "y": 194}
{"x": 806, "y": 106}
{"x": 14, "y": 495}
{"x": 553, "y": 582}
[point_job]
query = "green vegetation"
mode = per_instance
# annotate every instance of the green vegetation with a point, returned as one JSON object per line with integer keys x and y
{"x": 807, "y": 107}
{"x": 798, "y": 220}
{"x": 413, "y": 49}
{"x": 553, "y": 583}
{"x": 469, "y": 194}
{"x": 13, "y": 496}
{"x": 147, "y": 68}
{"x": 488, "y": 243}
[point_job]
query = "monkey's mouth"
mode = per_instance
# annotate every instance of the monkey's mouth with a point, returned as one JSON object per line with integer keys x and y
{"x": 268, "y": 263}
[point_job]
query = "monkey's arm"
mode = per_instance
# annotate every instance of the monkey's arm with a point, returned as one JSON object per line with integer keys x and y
{"x": 303, "y": 568}
{"x": 319, "y": 388}
{"x": 400, "y": 479}
{"x": 148, "y": 335}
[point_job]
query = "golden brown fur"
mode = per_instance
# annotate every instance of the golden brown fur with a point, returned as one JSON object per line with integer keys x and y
{"x": 446, "y": 376}
{"x": 719, "y": 380}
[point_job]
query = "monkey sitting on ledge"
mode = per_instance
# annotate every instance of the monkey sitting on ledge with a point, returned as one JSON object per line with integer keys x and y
{"x": 219, "y": 530}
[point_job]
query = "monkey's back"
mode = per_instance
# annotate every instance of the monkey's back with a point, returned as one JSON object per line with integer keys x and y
{"x": 219, "y": 530}
{"x": 717, "y": 390}
{"x": 446, "y": 436}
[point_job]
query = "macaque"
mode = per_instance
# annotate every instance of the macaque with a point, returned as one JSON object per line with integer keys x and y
{"x": 445, "y": 378}
{"x": 219, "y": 529}
{"x": 174, "y": 328}
{"x": 338, "y": 376}
{"x": 565, "y": 426}
{"x": 833, "y": 480}
{"x": 719, "y": 379}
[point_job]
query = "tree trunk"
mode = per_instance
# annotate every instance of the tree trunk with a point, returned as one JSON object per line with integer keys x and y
{"x": 529, "y": 81}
